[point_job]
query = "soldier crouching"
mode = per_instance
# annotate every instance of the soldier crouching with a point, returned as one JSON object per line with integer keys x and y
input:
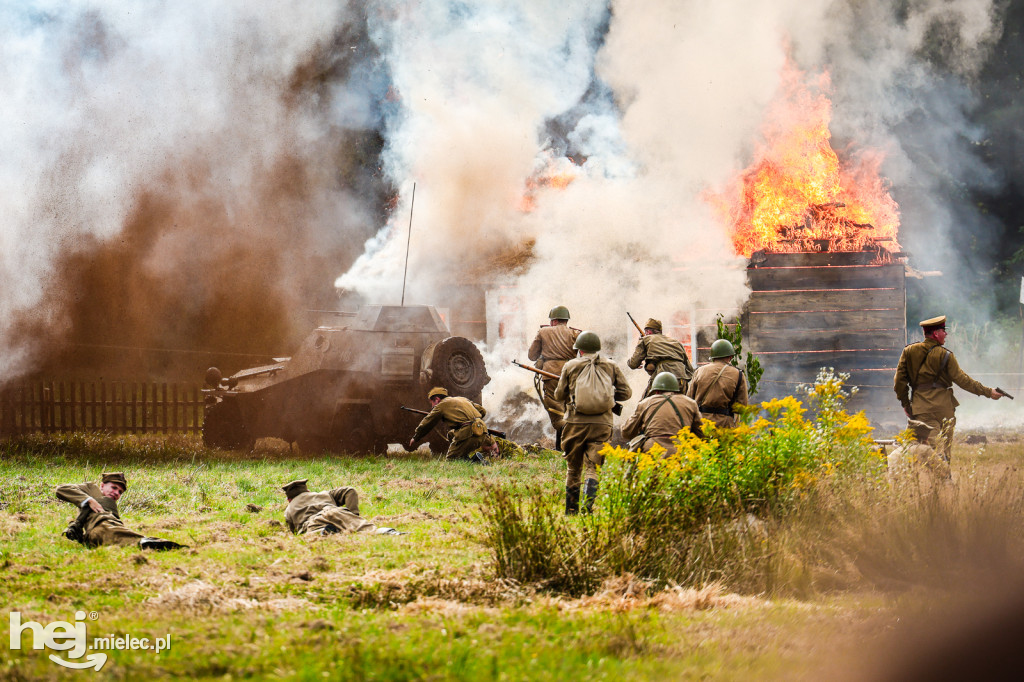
{"x": 467, "y": 432}
{"x": 326, "y": 512}
{"x": 99, "y": 521}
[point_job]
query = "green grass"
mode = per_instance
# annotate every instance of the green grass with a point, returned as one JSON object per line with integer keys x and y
{"x": 248, "y": 600}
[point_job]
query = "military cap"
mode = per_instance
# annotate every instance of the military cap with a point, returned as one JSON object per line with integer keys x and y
{"x": 295, "y": 488}
{"x": 934, "y": 322}
{"x": 437, "y": 391}
{"x": 653, "y": 324}
{"x": 114, "y": 477}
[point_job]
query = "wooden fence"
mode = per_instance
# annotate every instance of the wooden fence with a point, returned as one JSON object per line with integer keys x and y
{"x": 113, "y": 407}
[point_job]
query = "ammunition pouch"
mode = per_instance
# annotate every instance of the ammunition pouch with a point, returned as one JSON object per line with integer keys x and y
{"x": 477, "y": 427}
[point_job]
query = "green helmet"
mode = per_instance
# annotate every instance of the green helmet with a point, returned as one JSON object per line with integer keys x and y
{"x": 559, "y": 312}
{"x": 665, "y": 381}
{"x": 588, "y": 342}
{"x": 722, "y": 349}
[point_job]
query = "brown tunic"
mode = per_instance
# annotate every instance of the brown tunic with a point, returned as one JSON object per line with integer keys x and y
{"x": 655, "y": 419}
{"x": 458, "y": 415}
{"x": 930, "y": 374}
{"x": 566, "y": 388}
{"x": 105, "y": 528}
{"x": 713, "y": 387}
{"x": 659, "y": 353}
{"x": 551, "y": 349}
{"x": 311, "y": 512}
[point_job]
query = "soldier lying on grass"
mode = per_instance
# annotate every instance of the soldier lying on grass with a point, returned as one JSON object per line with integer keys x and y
{"x": 99, "y": 522}
{"x": 326, "y": 512}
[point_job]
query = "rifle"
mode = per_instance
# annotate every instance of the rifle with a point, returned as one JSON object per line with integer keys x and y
{"x": 1003, "y": 393}
{"x": 493, "y": 432}
{"x": 638, "y": 327}
{"x": 535, "y": 370}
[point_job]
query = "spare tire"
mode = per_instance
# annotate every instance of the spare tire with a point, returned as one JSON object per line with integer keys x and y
{"x": 458, "y": 366}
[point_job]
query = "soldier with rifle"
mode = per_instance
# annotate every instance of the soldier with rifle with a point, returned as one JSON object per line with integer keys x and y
{"x": 99, "y": 521}
{"x": 718, "y": 386}
{"x": 659, "y": 353}
{"x": 467, "y": 432}
{"x": 924, "y": 383}
{"x": 551, "y": 349}
{"x": 661, "y": 416}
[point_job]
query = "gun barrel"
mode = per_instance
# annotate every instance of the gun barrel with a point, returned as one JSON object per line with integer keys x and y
{"x": 412, "y": 409}
{"x": 549, "y": 375}
{"x": 1002, "y": 392}
{"x": 638, "y": 327}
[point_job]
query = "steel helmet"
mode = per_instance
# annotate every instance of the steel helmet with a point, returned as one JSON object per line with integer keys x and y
{"x": 559, "y": 312}
{"x": 588, "y": 342}
{"x": 665, "y": 381}
{"x": 722, "y": 349}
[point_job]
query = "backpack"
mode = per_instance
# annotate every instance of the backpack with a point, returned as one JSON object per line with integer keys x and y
{"x": 594, "y": 392}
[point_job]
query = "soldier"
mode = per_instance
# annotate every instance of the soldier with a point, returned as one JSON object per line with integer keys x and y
{"x": 924, "y": 383}
{"x": 661, "y": 416}
{"x": 326, "y": 512}
{"x": 591, "y": 385}
{"x": 464, "y": 419}
{"x": 99, "y": 522}
{"x": 717, "y": 386}
{"x": 659, "y": 353}
{"x": 551, "y": 349}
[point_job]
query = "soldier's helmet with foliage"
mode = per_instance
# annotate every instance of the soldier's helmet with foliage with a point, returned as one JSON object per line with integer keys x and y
{"x": 588, "y": 342}
{"x": 559, "y": 312}
{"x": 665, "y": 381}
{"x": 722, "y": 348}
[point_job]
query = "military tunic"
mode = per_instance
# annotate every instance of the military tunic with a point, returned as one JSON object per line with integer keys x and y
{"x": 924, "y": 386}
{"x": 104, "y": 528}
{"x": 317, "y": 513}
{"x": 658, "y": 422}
{"x": 459, "y": 415}
{"x": 716, "y": 387}
{"x": 659, "y": 353}
{"x": 585, "y": 434}
{"x": 551, "y": 349}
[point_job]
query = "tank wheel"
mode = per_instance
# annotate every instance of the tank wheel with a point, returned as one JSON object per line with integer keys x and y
{"x": 458, "y": 365}
{"x": 357, "y": 439}
{"x": 223, "y": 427}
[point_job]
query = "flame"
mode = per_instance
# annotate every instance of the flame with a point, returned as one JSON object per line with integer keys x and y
{"x": 556, "y": 173}
{"x": 798, "y": 195}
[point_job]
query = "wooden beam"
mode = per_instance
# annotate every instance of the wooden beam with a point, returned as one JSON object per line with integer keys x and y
{"x": 836, "y": 277}
{"x": 830, "y": 299}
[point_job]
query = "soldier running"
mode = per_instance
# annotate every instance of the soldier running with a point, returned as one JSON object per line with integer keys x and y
{"x": 924, "y": 383}
{"x": 661, "y": 416}
{"x": 659, "y": 353}
{"x": 587, "y": 427}
{"x": 718, "y": 386}
{"x": 326, "y": 512}
{"x": 99, "y": 521}
{"x": 551, "y": 349}
{"x": 467, "y": 431}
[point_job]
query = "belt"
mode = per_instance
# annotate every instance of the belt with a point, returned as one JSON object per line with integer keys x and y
{"x": 715, "y": 410}
{"x": 933, "y": 384}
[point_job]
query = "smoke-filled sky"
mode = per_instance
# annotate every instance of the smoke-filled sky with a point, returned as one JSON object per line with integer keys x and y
{"x": 195, "y": 176}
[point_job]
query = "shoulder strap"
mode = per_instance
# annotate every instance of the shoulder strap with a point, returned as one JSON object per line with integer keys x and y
{"x": 668, "y": 399}
{"x": 913, "y": 380}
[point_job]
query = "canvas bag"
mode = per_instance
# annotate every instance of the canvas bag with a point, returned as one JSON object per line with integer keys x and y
{"x": 595, "y": 391}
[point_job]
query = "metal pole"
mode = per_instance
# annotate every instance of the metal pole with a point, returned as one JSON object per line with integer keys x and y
{"x": 408, "y": 240}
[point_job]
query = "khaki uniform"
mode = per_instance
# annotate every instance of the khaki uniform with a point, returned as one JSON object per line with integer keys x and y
{"x": 656, "y": 419}
{"x": 459, "y": 416}
{"x": 585, "y": 434}
{"x": 323, "y": 512}
{"x": 104, "y": 528}
{"x": 928, "y": 371}
{"x": 716, "y": 387}
{"x": 551, "y": 349}
{"x": 659, "y": 353}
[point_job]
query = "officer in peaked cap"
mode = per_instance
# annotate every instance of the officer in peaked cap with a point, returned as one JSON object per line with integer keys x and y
{"x": 924, "y": 384}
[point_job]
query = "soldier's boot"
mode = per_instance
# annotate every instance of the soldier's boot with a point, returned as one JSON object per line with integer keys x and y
{"x": 558, "y": 439}
{"x": 572, "y": 500}
{"x": 159, "y": 544}
{"x": 589, "y": 493}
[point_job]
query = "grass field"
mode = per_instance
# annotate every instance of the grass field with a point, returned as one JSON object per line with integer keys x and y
{"x": 248, "y": 600}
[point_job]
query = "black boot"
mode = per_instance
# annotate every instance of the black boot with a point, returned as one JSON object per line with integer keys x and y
{"x": 160, "y": 544}
{"x": 589, "y": 493}
{"x": 558, "y": 439}
{"x": 572, "y": 500}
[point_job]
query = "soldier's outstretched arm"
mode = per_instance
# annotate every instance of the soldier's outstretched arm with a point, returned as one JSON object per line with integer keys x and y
{"x": 426, "y": 424}
{"x": 961, "y": 379}
{"x": 639, "y": 355}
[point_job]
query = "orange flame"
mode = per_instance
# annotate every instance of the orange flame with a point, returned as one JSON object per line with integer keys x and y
{"x": 554, "y": 174}
{"x": 797, "y": 195}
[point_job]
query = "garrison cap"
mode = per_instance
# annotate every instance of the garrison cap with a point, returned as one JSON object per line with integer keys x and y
{"x": 934, "y": 322}
{"x": 114, "y": 477}
{"x": 437, "y": 391}
{"x": 295, "y": 488}
{"x": 653, "y": 324}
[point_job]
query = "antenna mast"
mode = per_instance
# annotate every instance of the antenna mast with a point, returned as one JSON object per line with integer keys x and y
{"x": 405, "y": 273}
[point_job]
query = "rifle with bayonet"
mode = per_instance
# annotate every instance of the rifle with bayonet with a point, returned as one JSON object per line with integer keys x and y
{"x": 537, "y": 370}
{"x": 493, "y": 432}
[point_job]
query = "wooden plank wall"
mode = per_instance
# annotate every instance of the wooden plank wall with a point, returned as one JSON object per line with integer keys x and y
{"x": 813, "y": 310}
{"x": 112, "y": 407}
